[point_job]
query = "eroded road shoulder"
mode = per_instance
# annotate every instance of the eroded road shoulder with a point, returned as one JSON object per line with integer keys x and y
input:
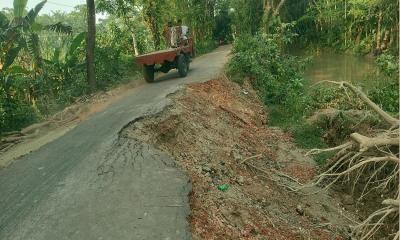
{"x": 94, "y": 183}
{"x": 248, "y": 179}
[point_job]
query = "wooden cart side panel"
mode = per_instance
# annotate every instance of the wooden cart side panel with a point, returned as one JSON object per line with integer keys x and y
{"x": 157, "y": 58}
{"x": 160, "y": 57}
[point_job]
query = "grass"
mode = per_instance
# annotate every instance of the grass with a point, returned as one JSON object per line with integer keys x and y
{"x": 305, "y": 135}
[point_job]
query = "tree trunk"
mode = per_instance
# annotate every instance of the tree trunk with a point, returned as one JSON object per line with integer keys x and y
{"x": 385, "y": 41}
{"x": 359, "y": 34}
{"x": 150, "y": 12}
{"x": 90, "y": 44}
{"x": 271, "y": 12}
{"x": 391, "y": 37}
{"x": 278, "y": 8}
{"x": 267, "y": 13}
{"x": 378, "y": 32}
{"x": 134, "y": 42}
{"x": 156, "y": 35}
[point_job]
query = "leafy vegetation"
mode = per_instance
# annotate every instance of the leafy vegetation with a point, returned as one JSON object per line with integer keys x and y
{"x": 361, "y": 26}
{"x": 48, "y": 61}
{"x": 260, "y": 55}
{"x": 44, "y": 62}
{"x": 386, "y": 93}
{"x": 321, "y": 115}
{"x": 276, "y": 75}
{"x": 278, "y": 78}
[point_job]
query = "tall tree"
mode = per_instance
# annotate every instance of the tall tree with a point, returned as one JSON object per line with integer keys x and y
{"x": 368, "y": 25}
{"x": 271, "y": 11}
{"x": 90, "y": 44}
{"x": 247, "y": 16}
{"x": 127, "y": 11}
{"x": 152, "y": 11}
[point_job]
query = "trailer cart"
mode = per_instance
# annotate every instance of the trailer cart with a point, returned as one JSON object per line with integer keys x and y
{"x": 165, "y": 60}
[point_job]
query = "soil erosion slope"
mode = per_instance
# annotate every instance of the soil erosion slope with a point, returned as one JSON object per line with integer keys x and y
{"x": 242, "y": 171}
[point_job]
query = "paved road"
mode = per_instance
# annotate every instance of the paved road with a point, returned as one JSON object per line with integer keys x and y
{"x": 93, "y": 183}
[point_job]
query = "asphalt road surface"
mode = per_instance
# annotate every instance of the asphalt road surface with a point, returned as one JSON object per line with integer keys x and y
{"x": 93, "y": 183}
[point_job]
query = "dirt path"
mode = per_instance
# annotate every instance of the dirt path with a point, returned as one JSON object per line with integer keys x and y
{"x": 94, "y": 183}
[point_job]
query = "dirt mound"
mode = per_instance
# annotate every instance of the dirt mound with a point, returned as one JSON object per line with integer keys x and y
{"x": 242, "y": 172}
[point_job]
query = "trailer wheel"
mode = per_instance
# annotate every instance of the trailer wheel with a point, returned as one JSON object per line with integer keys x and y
{"x": 187, "y": 56}
{"x": 183, "y": 65}
{"x": 148, "y": 73}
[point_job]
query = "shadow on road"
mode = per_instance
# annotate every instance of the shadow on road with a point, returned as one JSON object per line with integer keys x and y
{"x": 172, "y": 75}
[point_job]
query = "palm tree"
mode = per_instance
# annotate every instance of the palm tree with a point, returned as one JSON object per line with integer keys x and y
{"x": 90, "y": 45}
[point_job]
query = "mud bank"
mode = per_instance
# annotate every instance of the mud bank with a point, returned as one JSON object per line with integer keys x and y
{"x": 244, "y": 174}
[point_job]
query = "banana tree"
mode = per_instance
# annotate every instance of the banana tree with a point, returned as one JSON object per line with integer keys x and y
{"x": 65, "y": 59}
{"x": 21, "y": 32}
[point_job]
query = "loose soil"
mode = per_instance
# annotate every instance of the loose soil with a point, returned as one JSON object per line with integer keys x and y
{"x": 245, "y": 175}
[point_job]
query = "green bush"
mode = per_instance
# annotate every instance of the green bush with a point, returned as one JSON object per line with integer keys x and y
{"x": 326, "y": 96}
{"x": 205, "y": 46}
{"x": 388, "y": 64}
{"x": 305, "y": 135}
{"x": 108, "y": 67}
{"x": 277, "y": 76}
{"x": 15, "y": 115}
{"x": 386, "y": 91}
{"x": 386, "y": 95}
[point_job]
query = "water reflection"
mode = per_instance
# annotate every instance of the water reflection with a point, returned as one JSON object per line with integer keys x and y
{"x": 339, "y": 67}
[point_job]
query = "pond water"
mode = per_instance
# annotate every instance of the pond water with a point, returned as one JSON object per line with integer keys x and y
{"x": 339, "y": 67}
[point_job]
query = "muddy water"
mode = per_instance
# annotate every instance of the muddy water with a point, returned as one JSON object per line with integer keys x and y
{"x": 339, "y": 67}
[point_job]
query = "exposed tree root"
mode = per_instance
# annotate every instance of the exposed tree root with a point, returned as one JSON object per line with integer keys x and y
{"x": 365, "y": 142}
{"x": 318, "y": 151}
{"x": 372, "y": 163}
{"x": 384, "y": 115}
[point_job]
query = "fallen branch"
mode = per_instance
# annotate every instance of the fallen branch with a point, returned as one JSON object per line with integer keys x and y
{"x": 13, "y": 133}
{"x": 385, "y": 116}
{"x": 34, "y": 127}
{"x": 318, "y": 151}
{"x": 393, "y": 202}
{"x": 279, "y": 173}
{"x": 369, "y": 227}
{"x": 12, "y": 139}
{"x": 366, "y": 142}
{"x": 249, "y": 158}
{"x": 375, "y": 170}
{"x": 287, "y": 176}
{"x": 362, "y": 163}
{"x": 6, "y": 147}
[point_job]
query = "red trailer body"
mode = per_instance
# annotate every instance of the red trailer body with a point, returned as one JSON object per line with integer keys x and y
{"x": 178, "y": 57}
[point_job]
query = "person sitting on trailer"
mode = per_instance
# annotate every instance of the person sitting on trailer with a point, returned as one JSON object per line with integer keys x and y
{"x": 183, "y": 32}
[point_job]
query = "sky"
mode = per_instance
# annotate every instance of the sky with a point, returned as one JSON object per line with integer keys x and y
{"x": 51, "y": 5}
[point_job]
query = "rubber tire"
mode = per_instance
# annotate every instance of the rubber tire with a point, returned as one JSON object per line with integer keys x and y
{"x": 148, "y": 73}
{"x": 183, "y": 66}
{"x": 187, "y": 56}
